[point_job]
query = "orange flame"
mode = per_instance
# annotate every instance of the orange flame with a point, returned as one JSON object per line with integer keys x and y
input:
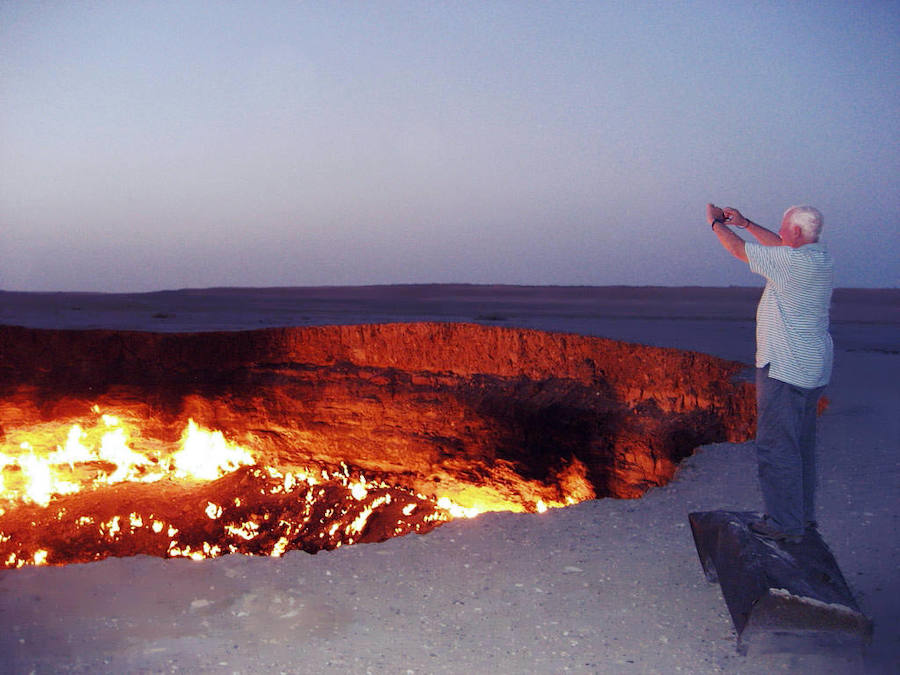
{"x": 36, "y": 470}
{"x": 102, "y": 454}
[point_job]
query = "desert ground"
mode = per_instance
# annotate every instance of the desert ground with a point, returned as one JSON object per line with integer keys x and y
{"x": 605, "y": 586}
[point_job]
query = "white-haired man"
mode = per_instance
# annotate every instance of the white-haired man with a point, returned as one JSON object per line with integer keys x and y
{"x": 794, "y": 354}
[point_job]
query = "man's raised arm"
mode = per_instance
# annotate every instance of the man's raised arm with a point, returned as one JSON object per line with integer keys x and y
{"x": 761, "y": 234}
{"x": 729, "y": 240}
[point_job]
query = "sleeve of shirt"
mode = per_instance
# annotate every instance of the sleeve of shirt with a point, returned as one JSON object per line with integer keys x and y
{"x": 767, "y": 261}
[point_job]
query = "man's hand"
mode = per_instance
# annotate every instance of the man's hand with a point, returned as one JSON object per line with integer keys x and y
{"x": 732, "y": 243}
{"x": 714, "y": 213}
{"x": 734, "y": 217}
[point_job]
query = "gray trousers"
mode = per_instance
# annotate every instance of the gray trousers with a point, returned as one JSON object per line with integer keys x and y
{"x": 786, "y": 451}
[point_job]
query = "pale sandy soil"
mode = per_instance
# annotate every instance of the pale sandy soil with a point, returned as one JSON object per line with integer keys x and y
{"x": 602, "y": 587}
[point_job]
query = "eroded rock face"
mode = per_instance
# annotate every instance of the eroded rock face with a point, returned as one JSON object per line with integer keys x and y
{"x": 450, "y": 409}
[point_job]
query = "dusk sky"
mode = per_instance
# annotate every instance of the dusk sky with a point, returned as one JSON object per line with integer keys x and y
{"x": 162, "y": 145}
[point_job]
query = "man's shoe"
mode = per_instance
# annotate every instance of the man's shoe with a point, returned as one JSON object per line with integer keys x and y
{"x": 765, "y": 528}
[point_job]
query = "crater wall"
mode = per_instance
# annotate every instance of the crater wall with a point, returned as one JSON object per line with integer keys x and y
{"x": 441, "y": 408}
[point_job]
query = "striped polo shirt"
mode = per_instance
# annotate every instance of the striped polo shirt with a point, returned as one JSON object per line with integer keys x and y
{"x": 792, "y": 317}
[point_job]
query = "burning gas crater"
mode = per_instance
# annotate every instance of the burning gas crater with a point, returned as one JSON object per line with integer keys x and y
{"x": 259, "y": 442}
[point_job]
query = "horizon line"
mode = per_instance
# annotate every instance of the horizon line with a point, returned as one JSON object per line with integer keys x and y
{"x": 198, "y": 289}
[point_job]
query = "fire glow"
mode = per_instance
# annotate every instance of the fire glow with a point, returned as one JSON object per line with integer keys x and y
{"x": 118, "y": 443}
{"x": 80, "y": 491}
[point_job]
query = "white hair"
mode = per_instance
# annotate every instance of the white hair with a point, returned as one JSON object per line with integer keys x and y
{"x": 808, "y": 218}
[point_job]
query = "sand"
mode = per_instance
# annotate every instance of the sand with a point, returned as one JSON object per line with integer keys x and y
{"x": 606, "y": 586}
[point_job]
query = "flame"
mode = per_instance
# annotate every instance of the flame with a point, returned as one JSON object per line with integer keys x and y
{"x": 457, "y": 511}
{"x": 103, "y": 454}
{"x": 338, "y": 506}
{"x": 207, "y": 455}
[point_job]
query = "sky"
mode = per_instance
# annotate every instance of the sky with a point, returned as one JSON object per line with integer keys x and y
{"x": 161, "y": 145}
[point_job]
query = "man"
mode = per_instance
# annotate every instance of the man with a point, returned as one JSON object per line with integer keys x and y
{"x": 794, "y": 354}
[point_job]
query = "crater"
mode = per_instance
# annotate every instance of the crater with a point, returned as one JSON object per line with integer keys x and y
{"x": 349, "y": 433}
